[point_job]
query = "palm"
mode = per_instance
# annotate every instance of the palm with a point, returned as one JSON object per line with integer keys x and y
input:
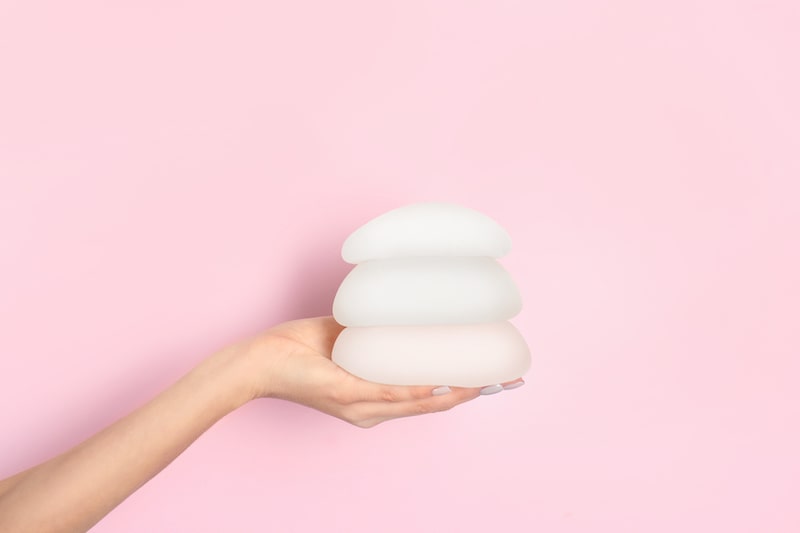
{"x": 313, "y": 334}
{"x": 300, "y": 353}
{"x": 300, "y": 369}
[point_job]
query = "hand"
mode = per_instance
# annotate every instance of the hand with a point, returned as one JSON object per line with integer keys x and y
{"x": 295, "y": 358}
{"x": 292, "y": 361}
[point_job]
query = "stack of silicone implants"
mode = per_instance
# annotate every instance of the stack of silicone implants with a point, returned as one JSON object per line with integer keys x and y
{"x": 427, "y": 303}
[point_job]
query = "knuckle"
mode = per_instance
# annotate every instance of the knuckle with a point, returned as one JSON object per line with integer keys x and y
{"x": 423, "y": 408}
{"x": 389, "y": 395}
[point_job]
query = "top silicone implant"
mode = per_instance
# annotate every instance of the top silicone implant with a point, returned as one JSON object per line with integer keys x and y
{"x": 427, "y": 230}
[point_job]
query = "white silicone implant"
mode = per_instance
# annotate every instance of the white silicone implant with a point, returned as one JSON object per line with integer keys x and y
{"x": 415, "y": 291}
{"x": 427, "y": 230}
{"x": 464, "y": 356}
{"x": 426, "y": 303}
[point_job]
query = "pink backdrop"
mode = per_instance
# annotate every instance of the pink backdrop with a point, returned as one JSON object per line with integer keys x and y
{"x": 176, "y": 175}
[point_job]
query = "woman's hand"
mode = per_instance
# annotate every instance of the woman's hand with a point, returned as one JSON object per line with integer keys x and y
{"x": 74, "y": 490}
{"x": 295, "y": 364}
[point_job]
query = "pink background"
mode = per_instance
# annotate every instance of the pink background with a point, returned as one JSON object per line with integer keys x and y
{"x": 177, "y": 175}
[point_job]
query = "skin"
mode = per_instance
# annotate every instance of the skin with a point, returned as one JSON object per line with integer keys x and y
{"x": 291, "y": 361}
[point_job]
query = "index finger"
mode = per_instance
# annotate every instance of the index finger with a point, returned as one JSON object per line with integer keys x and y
{"x": 377, "y": 392}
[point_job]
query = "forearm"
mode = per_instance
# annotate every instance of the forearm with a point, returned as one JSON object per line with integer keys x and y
{"x": 291, "y": 361}
{"x": 76, "y": 489}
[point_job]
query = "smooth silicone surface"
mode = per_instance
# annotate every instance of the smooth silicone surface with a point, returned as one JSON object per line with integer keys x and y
{"x": 425, "y": 291}
{"x": 461, "y": 355}
{"x": 427, "y": 229}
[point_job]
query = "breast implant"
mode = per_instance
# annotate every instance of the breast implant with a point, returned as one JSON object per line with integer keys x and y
{"x": 427, "y": 302}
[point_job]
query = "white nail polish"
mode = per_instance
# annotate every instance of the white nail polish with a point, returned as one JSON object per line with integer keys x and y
{"x": 438, "y": 391}
{"x": 491, "y": 389}
{"x": 512, "y": 386}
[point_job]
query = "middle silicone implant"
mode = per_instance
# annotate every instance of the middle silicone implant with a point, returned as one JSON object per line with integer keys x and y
{"x": 414, "y": 291}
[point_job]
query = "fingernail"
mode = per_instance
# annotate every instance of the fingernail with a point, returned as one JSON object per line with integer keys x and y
{"x": 491, "y": 389}
{"x": 438, "y": 391}
{"x": 512, "y": 386}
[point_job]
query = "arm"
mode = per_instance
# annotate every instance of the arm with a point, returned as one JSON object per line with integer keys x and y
{"x": 75, "y": 490}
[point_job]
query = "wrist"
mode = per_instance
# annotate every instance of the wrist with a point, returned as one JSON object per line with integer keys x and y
{"x": 235, "y": 374}
{"x": 254, "y": 366}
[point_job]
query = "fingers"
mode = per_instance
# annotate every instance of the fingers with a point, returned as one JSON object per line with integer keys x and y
{"x": 368, "y": 414}
{"x": 511, "y": 385}
{"x": 375, "y": 392}
{"x": 367, "y": 404}
{"x": 500, "y": 387}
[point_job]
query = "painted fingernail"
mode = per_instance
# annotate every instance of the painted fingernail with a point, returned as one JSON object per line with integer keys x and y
{"x": 512, "y": 386}
{"x": 438, "y": 391}
{"x": 491, "y": 389}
